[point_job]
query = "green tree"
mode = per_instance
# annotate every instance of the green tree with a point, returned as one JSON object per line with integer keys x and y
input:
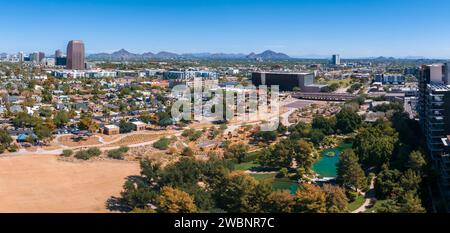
{"x": 310, "y": 199}
{"x": 347, "y": 121}
{"x": 279, "y": 156}
{"x": 416, "y": 161}
{"x": 151, "y": 171}
{"x": 303, "y": 152}
{"x": 137, "y": 194}
{"x": 22, "y": 120}
{"x": 237, "y": 192}
{"x": 145, "y": 117}
{"x": 349, "y": 172}
{"x": 336, "y": 200}
{"x": 45, "y": 112}
{"x": 375, "y": 145}
{"x": 279, "y": 202}
{"x": 411, "y": 204}
{"x": 43, "y": 132}
{"x": 87, "y": 123}
{"x": 126, "y": 127}
{"x": 388, "y": 206}
{"x": 237, "y": 152}
{"x": 266, "y": 136}
{"x": 61, "y": 118}
{"x": 387, "y": 185}
{"x": 172, "y": 200}
{"x": 317, "y": 137}
{"x": 5, "y": 138}
{"x": 325, "y": 125}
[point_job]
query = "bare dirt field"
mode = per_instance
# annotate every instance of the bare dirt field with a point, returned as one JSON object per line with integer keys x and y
{"x": 70, "y": 142}
{"x": 45, "y": 185}
{"x": 138, "y": 138}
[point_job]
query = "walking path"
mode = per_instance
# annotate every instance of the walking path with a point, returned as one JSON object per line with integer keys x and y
{"x": 369, "y": 195}
{"x": 103, "y": 146}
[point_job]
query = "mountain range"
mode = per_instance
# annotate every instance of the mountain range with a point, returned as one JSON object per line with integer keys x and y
{"x": 124, "y": 55}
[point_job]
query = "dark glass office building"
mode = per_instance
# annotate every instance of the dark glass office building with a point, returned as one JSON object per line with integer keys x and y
{"x": 287, "y": 81}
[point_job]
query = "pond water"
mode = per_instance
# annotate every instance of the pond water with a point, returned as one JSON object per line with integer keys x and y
{"x": 326, "y": 166}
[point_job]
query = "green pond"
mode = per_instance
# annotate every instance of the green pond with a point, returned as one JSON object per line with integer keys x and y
{"x": 326, "y": 166}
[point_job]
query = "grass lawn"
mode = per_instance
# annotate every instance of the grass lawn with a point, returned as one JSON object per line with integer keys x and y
{"x": 357, "y": 203}
{"x": 245, "y": 166}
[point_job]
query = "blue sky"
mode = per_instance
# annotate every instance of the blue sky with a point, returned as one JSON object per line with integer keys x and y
{"x": 352, "y": 28}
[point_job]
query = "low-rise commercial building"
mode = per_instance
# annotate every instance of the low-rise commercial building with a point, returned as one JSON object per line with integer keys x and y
{"x": 303, "y": 82}
{"x": 111, "y": 130}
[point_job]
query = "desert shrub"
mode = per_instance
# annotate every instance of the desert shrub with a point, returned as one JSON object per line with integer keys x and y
{"x": 83, "y": 155}
{"x": 187, "y": 152}
{"x": 124, "y": 149}
{"x": 162, "y": 144}
{"x": 94, "y": 152}
{"x": 67, "y": 153}
{"x": 13, "y": 148}
{"x": 115, "y": 154}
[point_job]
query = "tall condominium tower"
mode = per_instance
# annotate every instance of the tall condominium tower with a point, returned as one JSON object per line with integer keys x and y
{"x": 75, "y": 55}
{"x": 434, "y": 116}
{"x": 21, "y": 56}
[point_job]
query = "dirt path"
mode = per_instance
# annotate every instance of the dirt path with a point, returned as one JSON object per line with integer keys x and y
{"x": 41, "y": 183}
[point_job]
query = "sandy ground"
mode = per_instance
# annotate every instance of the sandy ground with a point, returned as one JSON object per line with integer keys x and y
{"x": 68, "y": 141}
{"x": 44, "y": 184}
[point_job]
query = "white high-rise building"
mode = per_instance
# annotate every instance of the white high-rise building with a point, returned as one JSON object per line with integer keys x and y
{"x": 21, "y": 57}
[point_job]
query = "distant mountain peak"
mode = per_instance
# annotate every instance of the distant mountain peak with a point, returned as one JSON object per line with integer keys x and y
{"x": 269, "y": 55}
{"x": 123, "y": 54}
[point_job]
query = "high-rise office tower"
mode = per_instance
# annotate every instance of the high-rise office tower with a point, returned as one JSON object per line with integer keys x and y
{"x": 41, "y": 57}
{"x": 336, "y": 59}
{"x": 75, "y": 55}
{"x": 34, "y": 57}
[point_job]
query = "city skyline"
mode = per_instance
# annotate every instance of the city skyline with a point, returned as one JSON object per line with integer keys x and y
{"x": 306, "y": 28}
